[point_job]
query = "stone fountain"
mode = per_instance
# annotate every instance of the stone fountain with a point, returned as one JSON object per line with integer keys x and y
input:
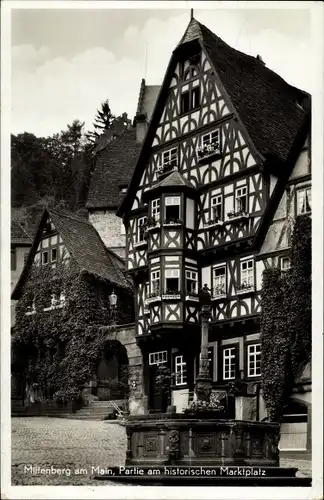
{"x": 203, "y": 437}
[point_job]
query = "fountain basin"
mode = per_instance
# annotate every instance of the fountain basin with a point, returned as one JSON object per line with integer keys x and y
{"x": 164, "y": 439}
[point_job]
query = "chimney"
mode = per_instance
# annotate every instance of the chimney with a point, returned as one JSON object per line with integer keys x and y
{"x": 259, "y": 58}
{"x": 141, "y": 127}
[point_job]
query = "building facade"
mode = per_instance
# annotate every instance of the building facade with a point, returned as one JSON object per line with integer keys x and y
{"x": 20, "y": 245}
{"x": 223, "y": 168}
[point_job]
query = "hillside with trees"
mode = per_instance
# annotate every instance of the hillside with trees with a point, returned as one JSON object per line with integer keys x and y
{"x": 55, "y": 171}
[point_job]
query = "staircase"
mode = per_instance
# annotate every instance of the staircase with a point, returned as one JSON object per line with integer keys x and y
{"x": 97, "y": 410}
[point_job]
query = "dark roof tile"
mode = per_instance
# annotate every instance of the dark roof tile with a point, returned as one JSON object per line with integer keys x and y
{"x": 114, "y": 168}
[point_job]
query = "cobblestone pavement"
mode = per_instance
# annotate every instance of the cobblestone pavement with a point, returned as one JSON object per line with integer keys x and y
{"x": 76, "y": 444}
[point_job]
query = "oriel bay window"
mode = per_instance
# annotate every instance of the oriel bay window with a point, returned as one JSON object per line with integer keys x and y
{"x": 191, "y": 282}
{"x": 172, "y": 210}
{"x": 254, "y": 360}
{"x": 155, "y": 283}
{"x": 172, "y": 282}
{"x": 247, "y": 276}
{"x": 219, "y": 282}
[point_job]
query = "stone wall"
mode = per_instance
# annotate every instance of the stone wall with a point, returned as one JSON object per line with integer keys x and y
{"x": 110, "y": 228}
{"x": 126, "y": 336}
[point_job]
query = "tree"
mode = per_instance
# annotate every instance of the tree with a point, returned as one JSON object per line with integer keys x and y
{"x": 103, "y": 121}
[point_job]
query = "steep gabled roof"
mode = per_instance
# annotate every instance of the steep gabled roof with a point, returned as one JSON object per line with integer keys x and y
{"x": 175, "y": 179}
{"x": 271, "y": 110}
{"x": 267, "y": 105}
{"x": 85, "y": 247}
{"x": 114, "y": 168}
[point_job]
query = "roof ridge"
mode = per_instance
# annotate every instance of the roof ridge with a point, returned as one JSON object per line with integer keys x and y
{"x": 70, "y": 216}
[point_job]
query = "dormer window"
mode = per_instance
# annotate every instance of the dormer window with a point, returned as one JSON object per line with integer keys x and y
{"x": 217, "y": 207}
{"x": 304, "y": 201}
{"x": 172, "y": 208}
{"x": 190, "y": 99}
{"x": 241, "y": 200}
{"x": 191, "y": 72}
{"x": 209, "y": 144}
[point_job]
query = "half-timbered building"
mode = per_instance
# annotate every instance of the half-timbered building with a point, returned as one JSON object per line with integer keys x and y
{"x": 224, "y": 145}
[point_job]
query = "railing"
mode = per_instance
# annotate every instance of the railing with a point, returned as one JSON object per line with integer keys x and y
{"x": 172, "y": 222}
{"x": 171, "y": 294}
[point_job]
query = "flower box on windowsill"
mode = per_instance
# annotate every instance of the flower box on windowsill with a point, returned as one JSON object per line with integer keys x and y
{"x": 152, "y": 226}
{"x": 151, "y": 299}
{"x": 172, "y": 222}
{"x": 210, "y": 224}
{"x": 167, "y": 168}
{"x": 171, "y": 295}
{"x": 191, "y": 297}
{"x": 140, "y": 244}
{"x": 208, "y": 152}
{"x": 245, "y": 289}
{"x": 234, "y": 217}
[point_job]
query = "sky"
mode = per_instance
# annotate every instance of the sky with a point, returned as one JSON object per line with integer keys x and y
{"x": 64, "y": 63}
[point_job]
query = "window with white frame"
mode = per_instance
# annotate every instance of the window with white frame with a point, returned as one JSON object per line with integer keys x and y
{"x": 219, "y": 281}
{"x": 304, "y": 201}
{"x": 170, "y": 158}
{"x": 141, "y": 227}
{"x": 157, "y": 358}
{"x": 172, "y": 280}
{"x": 172, "y": 208}
{"x": 247, "y": 274}
{"x": 217, "y": 207}
{"x": 190, "y": 99}
{"x": 156, "y": 209}
{"x": 285, "y": 264}
{"x": 210, "y": 138}
{"x": 155, "y": 282}
{"x": 180, "y": 369}
{"x": 191, "y": 282}
{"x": 229, "y": 363}
{"x": 254, "y": 360}
{"x": 146, "y": 288}
{"x": 241, "y": 200}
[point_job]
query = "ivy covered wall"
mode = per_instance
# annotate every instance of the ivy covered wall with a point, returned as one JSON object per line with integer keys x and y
{"x": 286, "y": 330}
{"x": 57, "y": 350}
